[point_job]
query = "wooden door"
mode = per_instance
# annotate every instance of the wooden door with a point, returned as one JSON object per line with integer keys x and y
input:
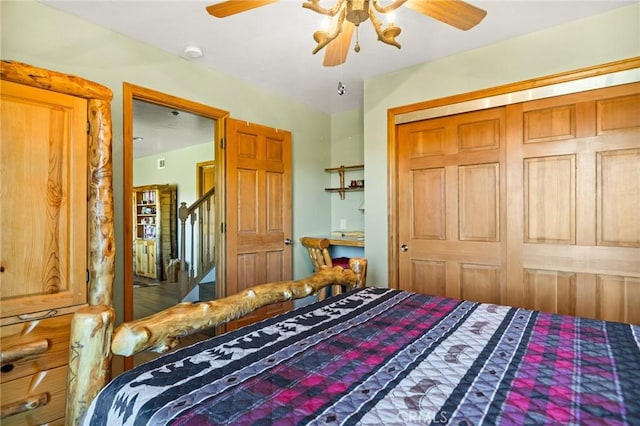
{"x": 43, "y": 182}
{"x": 574, "y": 225}
{"x": 205, "y": 176}
{"x": 451, "y": 206}
{"x": 534, "y": 204}
{"x": 258, "y": 210}
{"x": 205, "y": 181}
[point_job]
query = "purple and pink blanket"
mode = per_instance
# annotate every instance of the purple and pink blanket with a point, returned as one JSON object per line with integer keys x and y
{"x": 384, "y": 357}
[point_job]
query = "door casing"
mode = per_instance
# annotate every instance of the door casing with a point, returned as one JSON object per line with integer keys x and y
{"x": 469, "y": 102}
{"x": 129, "y": 93}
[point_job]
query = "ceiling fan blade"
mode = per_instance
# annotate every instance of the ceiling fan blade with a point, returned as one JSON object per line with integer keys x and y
{"x": 231, "y": 7}
{"x": 337, "y": 50}
{"x": 456, "y": 13}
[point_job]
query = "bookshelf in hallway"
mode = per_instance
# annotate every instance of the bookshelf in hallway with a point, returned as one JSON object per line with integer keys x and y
{"x": 155, "y": 229}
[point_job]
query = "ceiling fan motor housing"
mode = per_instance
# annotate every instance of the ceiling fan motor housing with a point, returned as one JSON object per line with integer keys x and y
{"x": 357, "y": 11}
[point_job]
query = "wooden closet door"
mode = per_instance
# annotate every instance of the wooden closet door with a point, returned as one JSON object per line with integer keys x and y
{"x": 451, "y": 206}
{"x": 43, "y": 217}
{"x": 574, "y": 204}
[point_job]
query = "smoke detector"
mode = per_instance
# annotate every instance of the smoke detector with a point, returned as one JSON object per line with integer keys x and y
{"x": 193, "y": 52}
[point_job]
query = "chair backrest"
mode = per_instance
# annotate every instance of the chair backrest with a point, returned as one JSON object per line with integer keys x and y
{"x": 318, "y": 249}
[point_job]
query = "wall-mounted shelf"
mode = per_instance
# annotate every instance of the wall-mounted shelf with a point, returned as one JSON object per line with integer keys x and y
{"x": 343, "y": 188}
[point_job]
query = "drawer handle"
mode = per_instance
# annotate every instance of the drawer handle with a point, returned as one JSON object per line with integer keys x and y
{"x": 27, "y": 404}
{"x": 17, "y": 352}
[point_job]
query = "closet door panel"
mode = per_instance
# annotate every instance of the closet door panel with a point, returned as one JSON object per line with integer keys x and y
{"x": 480, "y": 283}
{"x": 479, "y": 202}
{"x": 618, "y": 113}
{"x": 550, "y": 291}
{"x": 618, "y": 198}
{"x": 452, "y": 211}
{"x": 430, "y": 184}
{"x": 549, "y": 181}
{"x": 618, "y": 298}
{"x": 574, "y": 228}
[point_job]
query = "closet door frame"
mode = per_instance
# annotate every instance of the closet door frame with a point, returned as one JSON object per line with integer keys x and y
{"x": 600, "y": 76}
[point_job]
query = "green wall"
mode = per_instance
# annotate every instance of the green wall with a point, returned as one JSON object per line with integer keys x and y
{"x": 347, "y": 150}
{"x": 596, "y": 40}
{"x": 180, "y": 169}
{"x": 37, "y": 34}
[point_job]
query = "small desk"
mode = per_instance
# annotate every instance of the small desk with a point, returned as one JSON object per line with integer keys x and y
{"x": 344, "y": 246}
{"x": 346, "y": 241}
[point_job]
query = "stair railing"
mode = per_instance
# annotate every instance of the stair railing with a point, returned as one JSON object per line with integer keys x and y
{"x": 201, "y": 218}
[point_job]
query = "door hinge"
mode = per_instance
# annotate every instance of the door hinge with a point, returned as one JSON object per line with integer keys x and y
{"x": 88, "y": 276}
{"x": 88, "y": 127}
{"x": 223, "y": 227}
{"x": 223, "y": 143}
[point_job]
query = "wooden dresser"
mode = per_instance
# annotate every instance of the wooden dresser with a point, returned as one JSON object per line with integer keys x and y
{"x": 44, "y": 254}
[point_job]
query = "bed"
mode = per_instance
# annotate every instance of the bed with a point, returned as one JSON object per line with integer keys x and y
{"x": 382, "y": 356}
{"x": 368, "y": 356}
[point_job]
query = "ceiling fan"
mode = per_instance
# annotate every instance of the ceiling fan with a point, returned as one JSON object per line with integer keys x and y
{"x": 349, "y": 14}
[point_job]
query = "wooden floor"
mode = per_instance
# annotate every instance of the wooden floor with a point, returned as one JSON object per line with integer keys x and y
{"x": 151, "y": 296}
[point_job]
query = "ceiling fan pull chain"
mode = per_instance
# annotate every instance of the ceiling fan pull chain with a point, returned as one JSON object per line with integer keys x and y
{"x": 357, "y": 46}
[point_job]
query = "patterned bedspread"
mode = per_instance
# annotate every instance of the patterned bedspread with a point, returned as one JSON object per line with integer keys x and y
{"x": 378, "y": 356}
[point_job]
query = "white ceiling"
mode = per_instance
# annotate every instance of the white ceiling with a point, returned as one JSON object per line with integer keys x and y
{"x": 158, "y": 129}
{"x": 271, "y": 46}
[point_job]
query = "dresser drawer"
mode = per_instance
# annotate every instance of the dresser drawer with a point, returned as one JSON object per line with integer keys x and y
{"x": 34, "y": 346}
{"x": 48, "y": 387}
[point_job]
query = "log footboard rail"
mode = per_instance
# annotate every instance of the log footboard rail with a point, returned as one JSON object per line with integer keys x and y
{"x": 160, "y": 332}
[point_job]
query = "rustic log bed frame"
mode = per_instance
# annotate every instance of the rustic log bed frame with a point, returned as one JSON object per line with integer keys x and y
{"x": 92, "y": 338}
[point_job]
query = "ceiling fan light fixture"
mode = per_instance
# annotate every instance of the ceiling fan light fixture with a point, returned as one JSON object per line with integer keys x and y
{"x": 345, "y": 15}
{"x": 353, "y": 12}
{"x": 320, "y": 36}
{"x": 391, "y": 32}
{"x": 357, "y": 11}
{"x": 325, "y": 25}
{"x": 390, "y": 17}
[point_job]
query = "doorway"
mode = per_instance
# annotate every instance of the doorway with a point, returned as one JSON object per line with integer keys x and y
{"x": 135, "y": 100}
